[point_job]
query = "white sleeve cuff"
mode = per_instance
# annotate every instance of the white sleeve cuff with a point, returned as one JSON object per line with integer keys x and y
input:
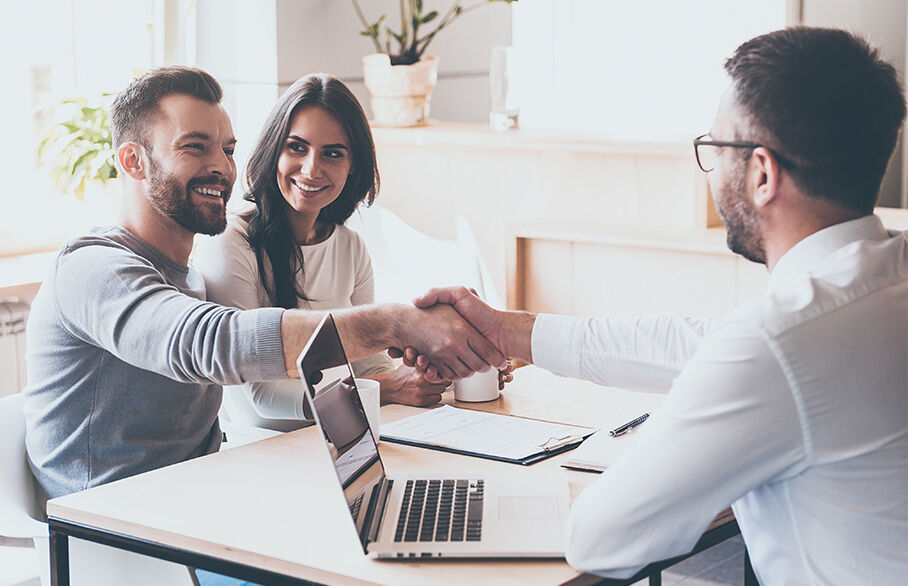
{"x": 556, "y": 343}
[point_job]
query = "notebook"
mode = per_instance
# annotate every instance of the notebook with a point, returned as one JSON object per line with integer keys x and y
{"x": 416, "y": 516}
{"x": 601, "y": 450}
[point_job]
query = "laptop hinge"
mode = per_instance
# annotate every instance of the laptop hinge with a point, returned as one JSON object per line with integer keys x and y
{"x": 381, "y": 501}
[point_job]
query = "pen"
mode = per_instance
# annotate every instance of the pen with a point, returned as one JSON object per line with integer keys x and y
{"x": 623, "y": 429}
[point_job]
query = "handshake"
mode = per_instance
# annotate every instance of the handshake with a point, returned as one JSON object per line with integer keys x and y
{"x": 457, "y": 334}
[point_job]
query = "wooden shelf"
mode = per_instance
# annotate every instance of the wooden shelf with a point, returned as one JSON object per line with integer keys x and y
{"x": 471, "y": 134}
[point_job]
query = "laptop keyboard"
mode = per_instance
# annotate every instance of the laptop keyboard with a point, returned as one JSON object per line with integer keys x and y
{"x": 441, "y": 510}
{"x": 355, "y": 506}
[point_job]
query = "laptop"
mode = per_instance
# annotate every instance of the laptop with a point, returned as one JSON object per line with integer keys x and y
{"x": 421, "y": 516}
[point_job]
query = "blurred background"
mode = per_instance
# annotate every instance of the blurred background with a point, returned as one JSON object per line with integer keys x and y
{"x": 620, "y": 70}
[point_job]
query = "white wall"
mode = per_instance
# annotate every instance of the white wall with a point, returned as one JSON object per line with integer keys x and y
{"x": 883, "y": 23}
{"x": 643, "y": 70}
{"x": 257, "y": 48}
{"x": 56, "y": 49}
{"x": 323, "y": 35}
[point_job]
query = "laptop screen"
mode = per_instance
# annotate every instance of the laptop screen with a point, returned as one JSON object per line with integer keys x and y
{"x": 338, "y": 412}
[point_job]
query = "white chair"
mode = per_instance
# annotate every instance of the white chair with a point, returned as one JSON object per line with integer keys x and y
{"x": 242, "y": 424}
{"x": 407, "y": 263}
{"x": 20, "y": 510}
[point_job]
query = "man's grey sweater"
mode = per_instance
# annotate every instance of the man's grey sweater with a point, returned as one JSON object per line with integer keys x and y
{"x": 125, "y": 362}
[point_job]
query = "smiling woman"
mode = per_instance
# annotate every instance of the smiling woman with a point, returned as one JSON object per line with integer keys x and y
{"x": 313, "y": 164}
{"x": 312, "y": 170}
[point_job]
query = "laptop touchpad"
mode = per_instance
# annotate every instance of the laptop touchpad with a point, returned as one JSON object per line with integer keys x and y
{"x": 520, "y": 508}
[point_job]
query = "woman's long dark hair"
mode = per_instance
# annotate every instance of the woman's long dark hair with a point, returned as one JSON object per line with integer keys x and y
{"x": 270, "y": 233}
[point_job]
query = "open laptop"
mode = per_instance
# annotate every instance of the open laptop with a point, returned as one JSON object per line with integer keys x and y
{"x": 424, "y": 515}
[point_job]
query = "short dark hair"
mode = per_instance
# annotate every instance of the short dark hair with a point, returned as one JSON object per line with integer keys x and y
{"x": 270, "y": 234}
{"x": 131, "y": 109}
{"x": 828, "y": 103}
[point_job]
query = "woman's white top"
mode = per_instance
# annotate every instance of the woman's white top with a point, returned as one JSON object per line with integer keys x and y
{"x": 337, "y": 274}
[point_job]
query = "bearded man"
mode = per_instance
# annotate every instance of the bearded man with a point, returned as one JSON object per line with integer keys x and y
{"x": 793, "y": 409}
{"x": 125, "y": 357}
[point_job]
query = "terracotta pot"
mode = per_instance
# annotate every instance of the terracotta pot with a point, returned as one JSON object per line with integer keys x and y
{"x": 400, "y": 93}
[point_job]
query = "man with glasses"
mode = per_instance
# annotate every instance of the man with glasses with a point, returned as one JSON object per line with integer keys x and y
{"x": 793, "y": 409}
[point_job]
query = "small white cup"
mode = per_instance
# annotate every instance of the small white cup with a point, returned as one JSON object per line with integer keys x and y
{"x": 482, "y": 386}
{"x": 370, "y": 397}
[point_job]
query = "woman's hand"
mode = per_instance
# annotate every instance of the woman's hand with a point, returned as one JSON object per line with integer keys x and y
{"x": 507, "y": 375}
{"x": 408, "y": 387}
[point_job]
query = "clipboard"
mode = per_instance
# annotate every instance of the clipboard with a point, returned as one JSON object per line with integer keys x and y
{"x": 503, "y": 438}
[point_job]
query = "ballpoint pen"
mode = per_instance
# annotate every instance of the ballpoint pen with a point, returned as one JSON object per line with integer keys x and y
{"x": 623, "y": 429}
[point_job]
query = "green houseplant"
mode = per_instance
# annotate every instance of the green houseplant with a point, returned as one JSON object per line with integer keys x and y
{"x": 411, "y": 44}
{"x": 399, "y": 76}
{"x": 77, "y": 147}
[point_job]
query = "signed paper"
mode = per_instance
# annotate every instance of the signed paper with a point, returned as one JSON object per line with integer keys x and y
{"x": 481, "y": 433}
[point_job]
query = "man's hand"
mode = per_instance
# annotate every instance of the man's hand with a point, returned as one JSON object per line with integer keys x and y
{"x": 509, "y": 331}
{"x": 449, "y": 347}
{"x": 408, "y": 387}
{"x": 470, "y": 306}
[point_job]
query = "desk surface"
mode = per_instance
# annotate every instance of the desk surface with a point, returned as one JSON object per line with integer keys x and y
{"x": 275, "y": 503}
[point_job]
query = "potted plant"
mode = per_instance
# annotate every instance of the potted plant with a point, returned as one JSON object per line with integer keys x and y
{"x": 399, "y": 78}
{"x": 77, "y": 147}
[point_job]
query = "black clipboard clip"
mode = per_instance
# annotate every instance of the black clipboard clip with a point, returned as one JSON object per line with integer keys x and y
{"x": 556, "y": 443}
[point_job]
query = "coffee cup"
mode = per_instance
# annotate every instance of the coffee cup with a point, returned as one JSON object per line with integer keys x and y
{"x": 482, "y": 386}
{"x": 370, "y": 397}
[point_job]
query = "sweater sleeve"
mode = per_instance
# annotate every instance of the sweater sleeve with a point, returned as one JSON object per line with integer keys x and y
{"x": 119, "y": 301}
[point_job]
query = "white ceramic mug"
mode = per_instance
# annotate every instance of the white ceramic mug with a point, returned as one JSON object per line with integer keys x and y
{"x": 370, "y": 397}
{"x": 482, "y": 386}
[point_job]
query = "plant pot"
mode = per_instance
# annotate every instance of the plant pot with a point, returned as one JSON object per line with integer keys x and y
{"x": 400, "y": 93}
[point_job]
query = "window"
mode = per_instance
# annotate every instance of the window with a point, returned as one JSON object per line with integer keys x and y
{"x": 55, "y": 49}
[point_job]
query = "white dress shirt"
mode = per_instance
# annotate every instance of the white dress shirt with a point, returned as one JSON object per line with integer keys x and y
{"x": 794, "y": 410}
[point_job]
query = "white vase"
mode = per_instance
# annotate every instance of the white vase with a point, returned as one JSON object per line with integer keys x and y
{"x": 400, "y": 93}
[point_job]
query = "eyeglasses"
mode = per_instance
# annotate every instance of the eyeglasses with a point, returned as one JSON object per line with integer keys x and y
{"x": 707, "y": 151}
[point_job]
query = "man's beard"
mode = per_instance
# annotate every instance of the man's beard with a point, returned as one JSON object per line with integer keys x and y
{"x": 175, "y": 201}
{"x": 742, "y": 225}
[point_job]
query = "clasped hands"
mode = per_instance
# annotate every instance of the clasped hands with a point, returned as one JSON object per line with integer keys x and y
{"x": 460, "y": 335}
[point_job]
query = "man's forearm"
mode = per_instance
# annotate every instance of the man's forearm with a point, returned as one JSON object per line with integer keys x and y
{"x": 367, "y": 329}
{"x": 452, "y": 344}
{"x": 364, "y": 330}
{"x": 515, "y": 334}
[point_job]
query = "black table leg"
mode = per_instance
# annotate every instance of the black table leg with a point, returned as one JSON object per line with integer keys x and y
{"x": 750, "y": 578}
{"x": 655, "y": 579}
{"x": 59, "y": 559}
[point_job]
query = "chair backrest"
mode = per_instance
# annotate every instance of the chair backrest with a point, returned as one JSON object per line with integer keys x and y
{"x": 240, "y": 414}
{"x": 19, "y": 506}
{"x": 407, "y": 263}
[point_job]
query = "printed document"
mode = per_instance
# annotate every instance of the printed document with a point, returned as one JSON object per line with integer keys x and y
{"x": 480, "y": 433}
